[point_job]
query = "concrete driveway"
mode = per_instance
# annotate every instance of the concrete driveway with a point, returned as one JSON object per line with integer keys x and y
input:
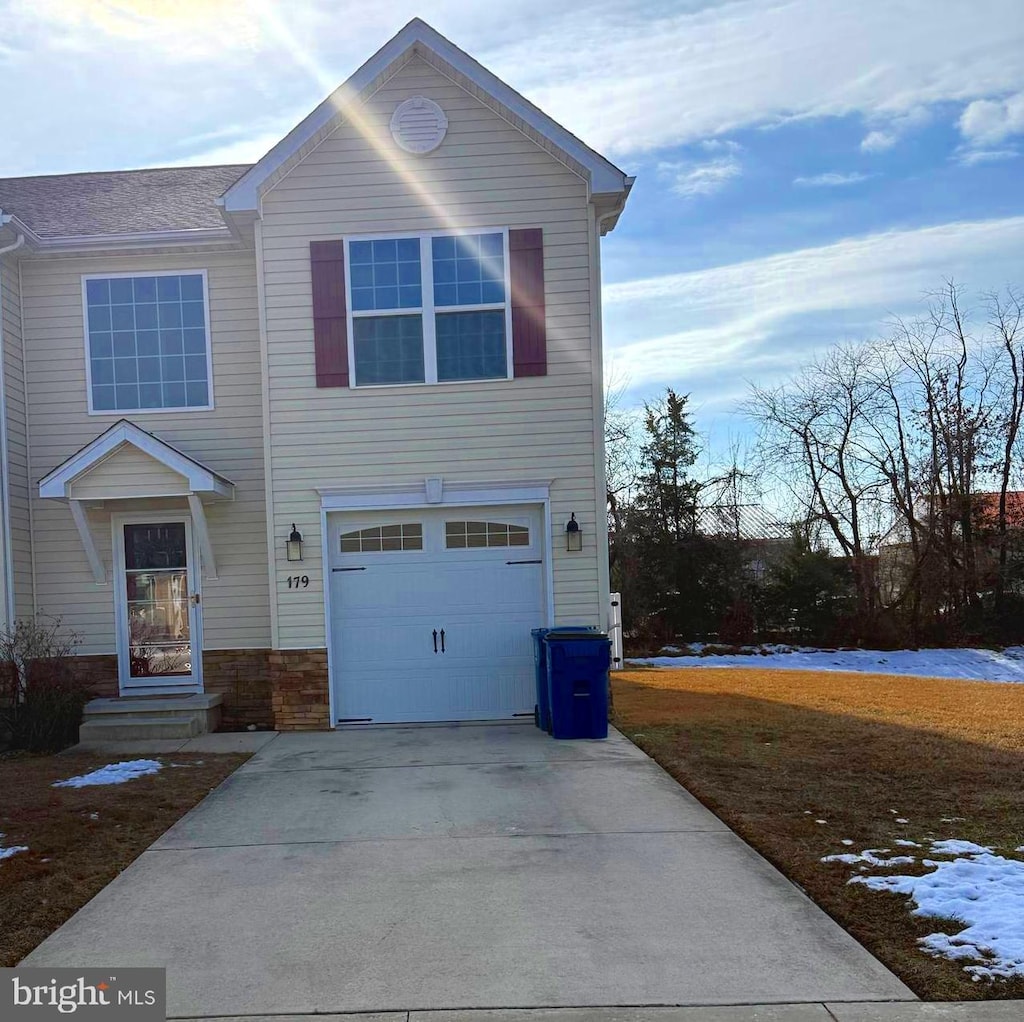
{"x": 461, "y": 867}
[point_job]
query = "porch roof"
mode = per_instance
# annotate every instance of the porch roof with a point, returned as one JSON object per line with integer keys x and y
{"x": 194, "y": 476}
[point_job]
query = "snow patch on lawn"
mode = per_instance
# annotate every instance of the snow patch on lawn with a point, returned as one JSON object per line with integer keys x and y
{"x": 971, "y": 664}
{"x": 6, "y": 853}
{"x": 113, "y": 773}
{"x": 872, "y": 856}
{"x": 983, "y": 891}
{"x": 959, "y": 848}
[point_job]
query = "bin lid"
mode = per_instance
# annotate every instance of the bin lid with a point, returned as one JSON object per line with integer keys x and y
{"x": 571, "y": 635}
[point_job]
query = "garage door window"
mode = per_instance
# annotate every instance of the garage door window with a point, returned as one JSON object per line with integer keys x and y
{"x": 382, "y": 538}
{"x": 462, "y": 535}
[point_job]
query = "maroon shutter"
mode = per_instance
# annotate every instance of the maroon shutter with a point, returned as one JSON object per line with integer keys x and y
{"x": 529, "y": 329}
{"x": 330, "y": 323}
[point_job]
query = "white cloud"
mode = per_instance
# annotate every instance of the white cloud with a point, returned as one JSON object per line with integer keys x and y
{"x": 692, "y": 179}
{"x": 243, "y": 150}
{"x": 877, "y": 141}
{"x": 972, "y": 157}
{"x": 762, "y": 316}
{"x": 650, "y": 83}
{"x": 624, "y": 77}
{"x": 989, "y": 121}
{"x": 831, "y": 179}
{"x": 718, "y": 145}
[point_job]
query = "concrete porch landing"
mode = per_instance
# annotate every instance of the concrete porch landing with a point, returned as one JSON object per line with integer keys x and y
{"x": 472, "y": 868}
{"x": 130, "y": 718}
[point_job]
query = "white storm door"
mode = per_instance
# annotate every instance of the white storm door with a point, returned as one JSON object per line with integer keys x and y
{"x": 438, "y": 630}
{"x": 158, "y": 621}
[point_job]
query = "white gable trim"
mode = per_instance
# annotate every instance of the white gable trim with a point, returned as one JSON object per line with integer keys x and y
{"x": 604, "y": 177}
{"x": 200, "y": 478}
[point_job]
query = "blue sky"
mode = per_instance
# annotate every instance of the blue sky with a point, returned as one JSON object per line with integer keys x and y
{"x": 805, "y": 169}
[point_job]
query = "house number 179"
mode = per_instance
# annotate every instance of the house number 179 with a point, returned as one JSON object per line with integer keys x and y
{"x": 298, "y": 581}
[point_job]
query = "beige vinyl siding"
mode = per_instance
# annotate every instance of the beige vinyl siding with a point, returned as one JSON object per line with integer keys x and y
{"x": 17, "y": 442}
{"x": 486, "y": 174}
{"x": 128, "y": 472}
{"x": 228, "y": 439}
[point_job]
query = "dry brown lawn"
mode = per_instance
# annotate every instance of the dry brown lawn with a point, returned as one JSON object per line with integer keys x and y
{"x": 79, "y": 839}
{"x": 773, "y": 751}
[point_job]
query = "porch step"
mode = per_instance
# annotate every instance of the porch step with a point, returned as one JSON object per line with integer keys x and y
{"x": 134, "y": 717}
{"x": 122, "y": 730}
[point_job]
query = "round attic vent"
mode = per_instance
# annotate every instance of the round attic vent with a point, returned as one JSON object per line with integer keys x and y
{"x": 418, "y": 125}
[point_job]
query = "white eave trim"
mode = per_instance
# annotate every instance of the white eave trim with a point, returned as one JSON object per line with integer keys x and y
{"x": 604, "y": 176}
{"x": 417, "y": 495}
{"x": 200, "y": 478}
{"x": 137, "y": 239}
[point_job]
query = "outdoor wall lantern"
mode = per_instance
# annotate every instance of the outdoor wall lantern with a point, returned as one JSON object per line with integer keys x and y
{"x": 294, "y": 545}
{"x": 573, "y": 536}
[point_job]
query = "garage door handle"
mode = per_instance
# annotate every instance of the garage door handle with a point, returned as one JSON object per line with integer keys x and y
{"x": 435, "y": 640}
{"x": 442, "y": 640}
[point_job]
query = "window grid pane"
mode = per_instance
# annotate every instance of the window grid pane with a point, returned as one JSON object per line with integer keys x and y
{"x": 471, "y": 345}
{"x": 383, "y": 538}
{"x": 147, "y": 342}
{"x": 385, "y": 274}
{"x": 476, "y": 535}
{"x": 468, "y": 269}
{"x": 388, "y": 349}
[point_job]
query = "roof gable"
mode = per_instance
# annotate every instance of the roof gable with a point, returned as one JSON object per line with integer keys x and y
{"x": 200, "y": 479}
{"x": 419, "y": 39}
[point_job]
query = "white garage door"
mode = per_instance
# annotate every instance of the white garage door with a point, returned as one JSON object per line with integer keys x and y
{"x": 431, "y": 613}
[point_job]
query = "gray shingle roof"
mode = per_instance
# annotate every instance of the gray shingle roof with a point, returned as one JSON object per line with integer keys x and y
{"x": 119, "y": 202}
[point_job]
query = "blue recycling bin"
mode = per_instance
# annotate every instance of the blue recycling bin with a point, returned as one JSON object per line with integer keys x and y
{"x": 542, "y": 708}
{"x": 578, "y": 665}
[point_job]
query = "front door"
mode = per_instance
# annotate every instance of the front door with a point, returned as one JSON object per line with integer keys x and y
{"x": 158, "y": 609}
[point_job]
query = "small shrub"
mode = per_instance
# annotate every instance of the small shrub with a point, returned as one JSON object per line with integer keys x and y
{"x": 41, "y": 701}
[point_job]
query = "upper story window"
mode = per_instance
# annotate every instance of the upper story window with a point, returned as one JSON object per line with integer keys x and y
{"x": 429, "y": 309}
{"x": 147, "y": 342}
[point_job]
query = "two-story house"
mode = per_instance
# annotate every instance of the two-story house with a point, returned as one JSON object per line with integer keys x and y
{"x": 308, "y": 434}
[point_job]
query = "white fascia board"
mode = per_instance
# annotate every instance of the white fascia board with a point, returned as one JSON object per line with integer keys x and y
{"x": 139, "y": 239}
{"x": 414, "y": 495}
{"x": 244, "y": 193}
{"x": 200, "y": 478}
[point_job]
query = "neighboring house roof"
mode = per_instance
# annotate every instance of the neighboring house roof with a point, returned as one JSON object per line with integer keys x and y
{"x": 119, "y": 202}
{"x": 986, "y": 507}
{"x": 750, "y": 522}
{"x": 419, "y": 39}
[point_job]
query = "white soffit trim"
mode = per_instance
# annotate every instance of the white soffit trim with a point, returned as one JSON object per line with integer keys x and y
{"x": 604, "y": 176}
{"x": 416, "y": 495}
{"x": 200, "y": 478}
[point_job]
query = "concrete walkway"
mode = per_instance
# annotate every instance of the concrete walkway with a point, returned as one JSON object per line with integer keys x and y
{"x": 472, "y": 867}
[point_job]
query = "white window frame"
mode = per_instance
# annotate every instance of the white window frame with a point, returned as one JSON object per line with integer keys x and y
{"x": 119, "y": 412}
{"x": 427, "y": 310}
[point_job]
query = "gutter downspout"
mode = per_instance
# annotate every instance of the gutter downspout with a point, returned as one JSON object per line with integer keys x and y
{"x": 5, "y": 484}
{"x": 597, "y": 389}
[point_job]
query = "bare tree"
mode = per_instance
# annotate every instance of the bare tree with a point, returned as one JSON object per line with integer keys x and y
{"x": 1006, "y": 319}
{"x": 621, "y": 451}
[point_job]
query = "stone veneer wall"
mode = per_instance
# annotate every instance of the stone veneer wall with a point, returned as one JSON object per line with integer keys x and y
{"x": 281, "y": 689}
{"x": 242, "y": 677}
{"x": 300, "y": 696}
{"x": 98, "y": 672}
